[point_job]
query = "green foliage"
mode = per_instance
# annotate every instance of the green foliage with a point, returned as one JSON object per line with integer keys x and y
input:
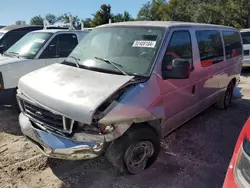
{"x": 37, "y": 20}
{"x": 102, "y": 16}
{"x": 122, "y": 17}
{"x": 65, "y": 18}
{"x": 87, "y": 22}
{"x": 20, "y": 22}
{"x": 151, "y": 10}
{"x": 224, "y": 12}
{"x": 51, "y": 18}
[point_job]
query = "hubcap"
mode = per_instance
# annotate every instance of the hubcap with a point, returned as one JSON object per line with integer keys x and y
{"x": 137, "y": 155}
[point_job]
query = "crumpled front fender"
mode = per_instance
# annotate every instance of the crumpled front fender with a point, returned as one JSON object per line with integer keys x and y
{"x": 138, "y": 104}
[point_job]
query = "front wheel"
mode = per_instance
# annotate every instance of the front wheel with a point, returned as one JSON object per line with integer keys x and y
{"x": 135, "y": 151}
{"x": 14, "y": 103}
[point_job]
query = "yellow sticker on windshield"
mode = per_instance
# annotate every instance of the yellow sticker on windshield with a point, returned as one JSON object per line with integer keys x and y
{"x": 144, "y": 44}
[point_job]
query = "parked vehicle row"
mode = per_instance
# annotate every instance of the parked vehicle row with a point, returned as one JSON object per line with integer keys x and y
{"x": 11, "y": 34}
{"x": 125, "y": 86}
{"x": 33, "y": 51}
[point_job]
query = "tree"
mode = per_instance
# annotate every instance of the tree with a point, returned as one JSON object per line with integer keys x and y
{"x": 102, "y": 16}
{"x": 87, "y": 22}
{"x": 127, "y": 16}
{"x": 208, "y": 13}
{"x": 150, "y": 10}
{"x": 239, "y": 13}
{"x": 51, "y": 18}
{"x": 37, "y": 20}
{"x": 20, "y": 22}
{"x": 65, "y": 18}
{"x": 118, "y": 18}
{"x": 178, "y": 10}
{"x": 145, "y": 12}
{"x": 122, "y": 17}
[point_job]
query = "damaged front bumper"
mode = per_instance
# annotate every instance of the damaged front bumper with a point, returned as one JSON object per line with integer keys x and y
{"x": 56, "y": 146}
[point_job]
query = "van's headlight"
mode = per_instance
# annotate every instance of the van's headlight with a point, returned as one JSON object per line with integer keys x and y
{"x": 242, "y": 165}
{"x": 94, "y": 128}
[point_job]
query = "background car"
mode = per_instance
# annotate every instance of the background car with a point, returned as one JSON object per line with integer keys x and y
{"x": 11, "y": 34}
{"x": 238, "y": 173}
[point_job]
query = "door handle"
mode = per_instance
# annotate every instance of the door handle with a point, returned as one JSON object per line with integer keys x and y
{"x": 193, "y": 89}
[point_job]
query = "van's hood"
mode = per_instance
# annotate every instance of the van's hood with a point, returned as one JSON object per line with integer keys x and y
{"x": 74, "y": 92}
{"x": 7, "y": 60}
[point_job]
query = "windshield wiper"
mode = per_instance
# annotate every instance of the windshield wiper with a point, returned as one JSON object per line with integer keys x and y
{"x": 113, "y": 64}
{"x": 15, "y": 54}
{"x": 76, "y": 61}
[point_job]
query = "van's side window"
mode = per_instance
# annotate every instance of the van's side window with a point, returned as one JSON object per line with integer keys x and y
{"x": 61, "y": 46}
{"x": 10, "y": 39}
{"x": 233, "y": 45}
{"x": 51, "y": 50}
{"x": 180, "y": 47}
{"x": 210, "y": 47}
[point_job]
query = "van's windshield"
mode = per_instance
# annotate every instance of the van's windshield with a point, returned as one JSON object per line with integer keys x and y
{"x": 245, "y": 37}
{"x": 132, "y": 49}
{"x": 29, "y": 45}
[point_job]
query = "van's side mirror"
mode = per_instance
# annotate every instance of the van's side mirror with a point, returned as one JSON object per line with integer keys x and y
{"x": 1, "y": 49}
{"x": 179, "y": 69}
{"x": 52, "y": 48}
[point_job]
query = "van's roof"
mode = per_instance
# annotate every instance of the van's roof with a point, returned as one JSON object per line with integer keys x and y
{"x": 165, "y": 24}
{"x": 58, "y": 30}
{"x": 13, "y": 27}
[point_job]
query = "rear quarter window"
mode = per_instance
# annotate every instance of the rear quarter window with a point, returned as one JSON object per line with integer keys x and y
{"x": 233, "y": 45}
{"x": 210, "y": 46}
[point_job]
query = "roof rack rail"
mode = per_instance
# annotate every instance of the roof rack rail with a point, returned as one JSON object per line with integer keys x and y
{"x": 69, "y": 25}
{"x": 85, "y": 28}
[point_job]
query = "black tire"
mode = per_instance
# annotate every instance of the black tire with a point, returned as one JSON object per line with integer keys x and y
{"x": 121, "y": 152}
{"x": 14, "y": 103}
{"x": 226, "y": 98}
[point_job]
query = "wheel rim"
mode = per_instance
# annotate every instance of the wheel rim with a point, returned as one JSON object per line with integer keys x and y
{"x": 137, "y": 155}
{"x": 228, "y": 95}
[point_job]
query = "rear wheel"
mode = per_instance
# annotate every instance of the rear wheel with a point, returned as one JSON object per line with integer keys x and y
{"x": 226, "y": 99}
{"x": 135, "y": 151}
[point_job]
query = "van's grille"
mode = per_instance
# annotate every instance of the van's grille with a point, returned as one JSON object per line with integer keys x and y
{"x": 246, "y": 52}
{"x": 47, "y": 118}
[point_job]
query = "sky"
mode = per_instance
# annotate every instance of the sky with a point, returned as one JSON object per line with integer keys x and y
{"x": 13, "y": 10}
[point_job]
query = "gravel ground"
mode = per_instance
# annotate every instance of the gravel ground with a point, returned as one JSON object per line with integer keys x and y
{"x": 195, "y": 155}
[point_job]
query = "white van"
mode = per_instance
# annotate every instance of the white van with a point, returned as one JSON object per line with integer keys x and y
{"x": 245, "y": 33}
{"x": 125, "y": 86}
{"x": 35, "y": 50}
